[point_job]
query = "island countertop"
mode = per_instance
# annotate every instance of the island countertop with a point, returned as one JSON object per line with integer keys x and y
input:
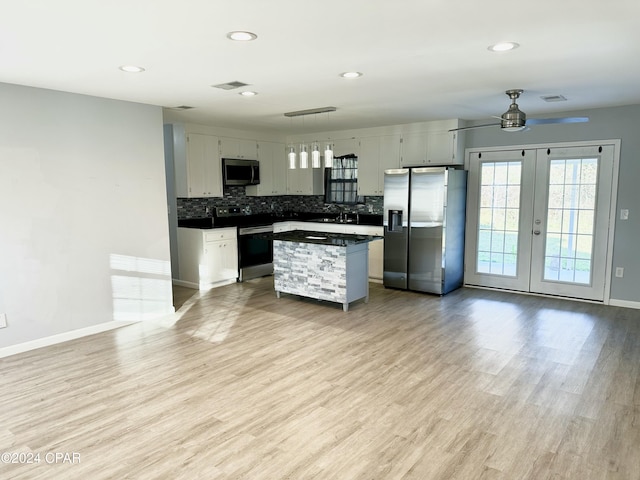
{"x": 324, "y": 238}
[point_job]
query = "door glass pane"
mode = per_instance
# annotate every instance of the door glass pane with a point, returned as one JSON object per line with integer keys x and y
{"x": 499, "y": 218}
{"x": 570, "y": 220}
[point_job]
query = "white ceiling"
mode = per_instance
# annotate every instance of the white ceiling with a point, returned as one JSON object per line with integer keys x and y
{"x": 421, "y": 59}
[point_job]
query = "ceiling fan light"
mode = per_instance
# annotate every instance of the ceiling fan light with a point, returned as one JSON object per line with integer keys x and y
{"x": 514, "y": 119}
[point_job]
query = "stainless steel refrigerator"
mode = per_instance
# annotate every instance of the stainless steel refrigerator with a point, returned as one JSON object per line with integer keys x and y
{"x": 424, "y": 218}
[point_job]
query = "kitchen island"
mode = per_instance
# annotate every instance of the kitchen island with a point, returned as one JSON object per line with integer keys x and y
{"x": 325, "y": 266}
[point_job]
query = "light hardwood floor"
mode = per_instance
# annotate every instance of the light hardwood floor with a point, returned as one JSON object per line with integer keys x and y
{"x": 474, "y": 385}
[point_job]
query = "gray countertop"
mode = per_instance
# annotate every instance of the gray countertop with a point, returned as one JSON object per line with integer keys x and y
{"x": 324, "y": 238}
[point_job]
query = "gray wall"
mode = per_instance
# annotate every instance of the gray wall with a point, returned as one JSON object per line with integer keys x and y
{"x": 84, "y": 239}
{"x": 608, "y": 123}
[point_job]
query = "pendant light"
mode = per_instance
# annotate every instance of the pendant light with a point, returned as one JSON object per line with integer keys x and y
{"x": 315, "y": 155}
{"x": 304, "y": 156}
{"x": 315, "y": 150}
{"x": 292, "y": 157}
{"x": 328, "y": 156}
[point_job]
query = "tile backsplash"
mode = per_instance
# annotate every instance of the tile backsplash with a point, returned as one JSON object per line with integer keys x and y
{"x": 236, "y": 197}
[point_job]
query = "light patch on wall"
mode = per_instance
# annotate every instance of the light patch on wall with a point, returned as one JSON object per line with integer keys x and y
{"x": 140, "y": 288}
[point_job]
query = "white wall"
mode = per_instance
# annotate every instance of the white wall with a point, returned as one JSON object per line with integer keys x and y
{"x": 84, "y": 235}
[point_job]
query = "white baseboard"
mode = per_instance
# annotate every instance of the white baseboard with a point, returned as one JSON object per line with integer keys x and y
{"x": 623, "y": 303}
{"x": 61, "y": 337}
{"x": 182, "y": 283}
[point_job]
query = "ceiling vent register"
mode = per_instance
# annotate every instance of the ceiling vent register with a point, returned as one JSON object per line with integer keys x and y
{"x": 231, "y": 85}
{"x": 554, "y": 98}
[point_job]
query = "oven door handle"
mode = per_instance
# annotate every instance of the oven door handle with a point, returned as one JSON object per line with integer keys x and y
{"x": 252, "y": 230}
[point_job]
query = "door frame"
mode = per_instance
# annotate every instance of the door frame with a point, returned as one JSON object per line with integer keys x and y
{"x": 613, "y": 200}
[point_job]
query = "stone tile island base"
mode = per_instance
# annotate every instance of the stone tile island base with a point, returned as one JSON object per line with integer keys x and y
{"x": 336, "y": 273}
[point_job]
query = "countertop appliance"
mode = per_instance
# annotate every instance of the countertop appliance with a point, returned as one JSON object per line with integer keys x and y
{"x": 424, "y": 218}
{"x": 240, "y": 172}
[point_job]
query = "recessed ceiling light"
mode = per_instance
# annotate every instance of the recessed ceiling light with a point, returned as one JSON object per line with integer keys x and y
{"x": 503, "y": 46}
{"x": 248, "y": 93}
{"x": 131, "y": 68}
{"x": 241, "y": 36}
{"x": 351, "y": 74}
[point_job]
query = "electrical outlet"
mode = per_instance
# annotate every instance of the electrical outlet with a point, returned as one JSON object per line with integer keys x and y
{"x": 619, "y": 272}
{"x": 624, "y": 214}
{"x": 3, "y": 320}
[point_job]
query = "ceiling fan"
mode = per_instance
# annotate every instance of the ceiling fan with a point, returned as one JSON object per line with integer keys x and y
{"x": 515, "y": 120}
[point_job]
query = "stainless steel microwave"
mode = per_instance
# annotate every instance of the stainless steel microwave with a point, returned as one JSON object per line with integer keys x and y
{"x": 237, "y": 171}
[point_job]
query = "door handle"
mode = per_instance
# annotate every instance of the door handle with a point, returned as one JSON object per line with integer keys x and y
{"x": 536, "y": 232}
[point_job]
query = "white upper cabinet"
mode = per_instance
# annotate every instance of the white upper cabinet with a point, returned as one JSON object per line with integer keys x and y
{"x": 440, "y": 148}
{"x": 197, "y": 166}
{"x": 414, "y": 149}
{"x": 305, "y": 181}
{"x": 279, "y": 168}
{"x": 297, "y": 181}
{"x": 369, "y": 166}
{"x": 377, "y": 154}
{"x": 434, "y": 146}
{"x": 238, "y": 148}
{"x": 389, "y": 154}
{"x": 345, "y": 146}
{"x": 273, "y": 175}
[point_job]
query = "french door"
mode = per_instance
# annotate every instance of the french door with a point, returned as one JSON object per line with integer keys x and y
{"x": 538, "y": 219}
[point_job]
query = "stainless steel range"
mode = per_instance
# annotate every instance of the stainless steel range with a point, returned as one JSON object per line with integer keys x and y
{"x": 255, "y": 249}
{"x": 255, "y": 252}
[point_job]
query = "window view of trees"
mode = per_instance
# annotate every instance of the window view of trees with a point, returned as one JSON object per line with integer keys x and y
{"x": 571, "y": 219}
{"x": 499, "y": 218}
